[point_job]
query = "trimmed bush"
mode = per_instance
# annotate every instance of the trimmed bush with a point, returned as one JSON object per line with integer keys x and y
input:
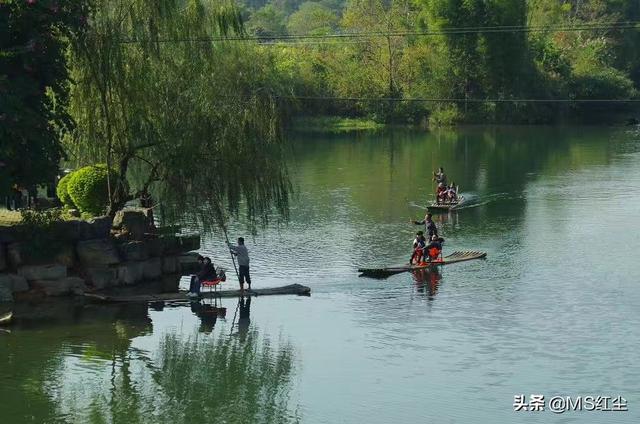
{"x": 87, "y": 187}
{"x": 62, "y": 192}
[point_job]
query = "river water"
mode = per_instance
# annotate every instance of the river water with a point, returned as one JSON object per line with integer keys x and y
{"x": 554, "y": 310}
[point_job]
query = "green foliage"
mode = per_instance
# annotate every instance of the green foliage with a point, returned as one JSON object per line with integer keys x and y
{"x": 196, "y": 124}
{"x": 34, "y": 87}
{"x": 88, "y": 189}
{"x": 42, "y": 237}
{"x": 267, "y": 21}
{"x": 312, "y": 18}
{"x": 62, "y": 192}
{"x": 41, "y": 220}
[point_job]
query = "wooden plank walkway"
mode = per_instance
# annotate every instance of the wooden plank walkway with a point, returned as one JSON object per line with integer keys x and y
{"x": 295, "y": 289}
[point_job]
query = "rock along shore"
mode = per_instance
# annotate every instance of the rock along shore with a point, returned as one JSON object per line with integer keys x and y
{"x": 92, "y": 255}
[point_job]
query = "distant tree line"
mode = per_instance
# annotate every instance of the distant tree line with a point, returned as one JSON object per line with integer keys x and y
{"x": 589, "y": 51}
{"x": 196, "y": 94}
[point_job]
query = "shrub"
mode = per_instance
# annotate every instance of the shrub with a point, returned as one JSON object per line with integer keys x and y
{"x": 42, "y": 237}
{"x": 87, "y": 188}
{"x": 62, "y": 192}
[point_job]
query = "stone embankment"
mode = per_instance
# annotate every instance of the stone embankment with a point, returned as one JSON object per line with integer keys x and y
{"x": 92, "y": 255}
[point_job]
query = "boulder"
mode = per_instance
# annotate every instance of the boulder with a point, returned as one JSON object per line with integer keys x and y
{"x": 66, "y": 256}
{"x": 133, "y": 221}
{"x": 170, "y": 265}
{"x": 100, "y": 227}
{"x": 130, "y": 272}
{"x": 10, "y": 234}
{"x": 3, "y": 257}
{"x": 97, "y": 252}
{"x": 43, "y": 272}
{"x": 102, "y": 277}
{"x": 15, "y": 283}
{"x": 5, "y": 294}
{"x": 60, "y": 287}
{"x": 133, "y": 251}
{"x": 170, "y": 244}
{"x": 155, "y": 247}
{"x": 14, "y": 255}
{"x": 189, "y": 243}
{"x": 74, "y": 230}
{"x": 189, "y": 263}
{"x": 152, "y": 268}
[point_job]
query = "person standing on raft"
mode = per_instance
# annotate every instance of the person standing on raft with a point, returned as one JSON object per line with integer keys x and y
{"x": 241, "y": 252}
{"x": 440, "y": 177}
{"x": 430, "y": 226}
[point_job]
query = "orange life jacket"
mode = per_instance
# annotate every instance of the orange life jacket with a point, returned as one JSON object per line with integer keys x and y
{"x": 434, "y": 252}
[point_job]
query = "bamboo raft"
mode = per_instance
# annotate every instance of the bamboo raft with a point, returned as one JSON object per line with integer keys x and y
{"x": 455, "y": 257}
{"x": 446, "y": 206}
{"x": 295, "y": 289}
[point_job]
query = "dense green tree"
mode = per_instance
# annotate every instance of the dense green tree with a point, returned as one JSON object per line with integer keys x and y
{"x": 34, "y": 87}
{"x": 268, "y": 21}
{"x": 168, "y": 110}
{"x": 312, "y": 18}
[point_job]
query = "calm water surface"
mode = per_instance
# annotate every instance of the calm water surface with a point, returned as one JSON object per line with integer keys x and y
{"x": 554, "y": 310}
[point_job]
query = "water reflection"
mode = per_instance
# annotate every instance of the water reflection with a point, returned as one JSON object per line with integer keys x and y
{"x": 116, "y": 368}
{"x": 208, "y": 311}
{"x": 427, "y": 281}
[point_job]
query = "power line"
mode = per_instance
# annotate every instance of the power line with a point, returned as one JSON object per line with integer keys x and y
{"x": 455, "y": 100}
{"x": 627, "y": 25}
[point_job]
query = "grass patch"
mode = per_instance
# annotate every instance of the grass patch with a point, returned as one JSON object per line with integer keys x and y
{"x": 334, "y": 124}
{"x": 9, "y": 217}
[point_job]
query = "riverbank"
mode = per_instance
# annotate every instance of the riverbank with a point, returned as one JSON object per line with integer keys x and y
{"x": 334, "y": 124}
{"x": 8, "y": 218}
{"x": 71, "y": 257}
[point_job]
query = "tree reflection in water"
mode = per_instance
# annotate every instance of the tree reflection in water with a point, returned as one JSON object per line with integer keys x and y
{"x": 200, "y": 380}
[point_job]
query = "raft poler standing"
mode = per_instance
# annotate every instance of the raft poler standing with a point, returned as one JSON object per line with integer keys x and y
{"x": 430, "y": 226}
{"x": 440, "y": 177}
{"x": 242, "y": 254}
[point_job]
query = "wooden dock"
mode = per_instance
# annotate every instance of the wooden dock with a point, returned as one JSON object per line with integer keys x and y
{"x": 295, "y": 289}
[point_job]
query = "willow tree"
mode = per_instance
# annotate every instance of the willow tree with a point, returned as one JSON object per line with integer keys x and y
{"x": 178, "y": 110}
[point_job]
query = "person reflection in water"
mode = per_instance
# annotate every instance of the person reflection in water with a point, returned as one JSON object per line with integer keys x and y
{"x": 244, "y": 309}
{"x": 208, "y": 315}
{"x": 427, "y": 281}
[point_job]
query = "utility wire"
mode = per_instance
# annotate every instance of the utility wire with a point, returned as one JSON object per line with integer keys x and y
{"x": 455, "y": 100}
{"x": 270, "y": 40}
{"x": 627, "y": 25}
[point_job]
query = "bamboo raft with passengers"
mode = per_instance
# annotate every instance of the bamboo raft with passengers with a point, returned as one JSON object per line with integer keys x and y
{"x": 455, "y": 257}
{"x": 447, "y": 198}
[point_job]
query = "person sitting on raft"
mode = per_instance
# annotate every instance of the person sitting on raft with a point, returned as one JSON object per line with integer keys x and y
{"x": 441, "y": 193}
{"x": 207, "y": 272}
{"x": 452, "y": 195}
{"x": 434, "y": 249}
{"x": 419, "y": 244}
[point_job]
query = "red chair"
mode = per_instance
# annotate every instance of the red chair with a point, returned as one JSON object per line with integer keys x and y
{"x": 213, "y": 285}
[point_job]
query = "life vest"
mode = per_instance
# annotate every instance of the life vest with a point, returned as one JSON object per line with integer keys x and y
{"x": 434, "y": 252}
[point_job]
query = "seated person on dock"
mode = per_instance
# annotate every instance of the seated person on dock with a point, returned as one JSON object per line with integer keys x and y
{"x": 434, "y": 249}
{"x": 207, "y": 272}
{"x": 419, "y": 243}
